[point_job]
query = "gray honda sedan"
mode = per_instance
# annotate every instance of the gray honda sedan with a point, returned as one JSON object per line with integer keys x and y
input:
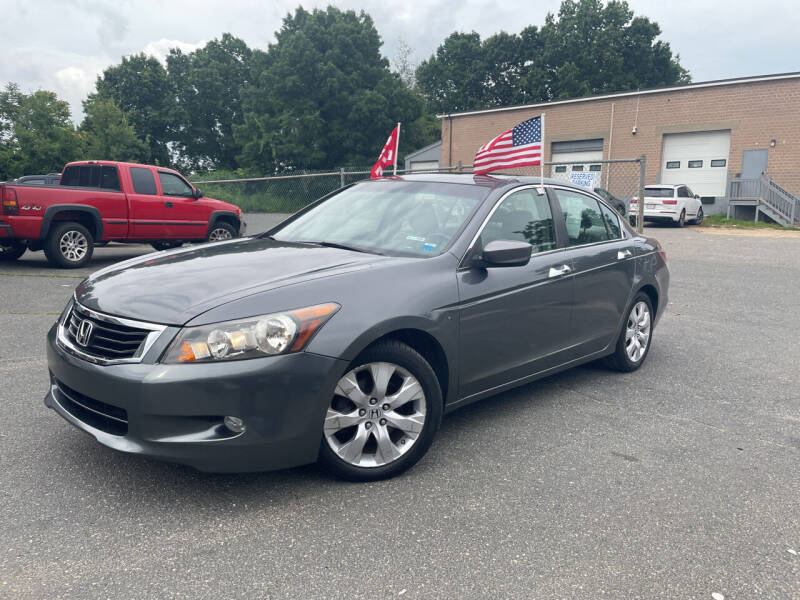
{"x": 346, "y": 332}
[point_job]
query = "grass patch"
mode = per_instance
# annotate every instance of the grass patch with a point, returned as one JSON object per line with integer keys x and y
{"x": 721, "y": 221}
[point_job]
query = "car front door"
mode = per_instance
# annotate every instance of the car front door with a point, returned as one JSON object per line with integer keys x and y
{"x": 601, "y": 255}
{"x": 147, "y": 207}
{"x": 184, "y": 217}
{"x": 514, "y": 321}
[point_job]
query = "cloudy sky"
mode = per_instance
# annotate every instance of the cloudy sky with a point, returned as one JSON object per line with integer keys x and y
{"x": 62, "y": 45}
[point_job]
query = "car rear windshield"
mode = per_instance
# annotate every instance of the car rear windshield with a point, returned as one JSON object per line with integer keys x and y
{"x": 659, "y": 192}
{"x": 399, "y": 218}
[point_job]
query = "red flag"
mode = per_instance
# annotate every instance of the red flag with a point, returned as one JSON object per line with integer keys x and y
{"x": 388, "y": 156}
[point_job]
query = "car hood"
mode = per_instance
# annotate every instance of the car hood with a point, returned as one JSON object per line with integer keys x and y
{"x": 173, "y": 287}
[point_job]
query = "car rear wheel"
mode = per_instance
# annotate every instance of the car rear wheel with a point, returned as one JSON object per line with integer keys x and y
{"x": 221, "y": 231}
{"x": 699, "y": 218}
{"x": 682, "y": 219}
{"x": 69, "y": 245}
{"x": 634, "y": 340}
{"x": 383, "y": 415}
{"x": 12, "y": 251}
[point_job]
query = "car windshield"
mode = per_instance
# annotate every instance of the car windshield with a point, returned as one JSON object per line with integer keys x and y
{"x": 401, "y": 218}
{"x": 659, "y": 192}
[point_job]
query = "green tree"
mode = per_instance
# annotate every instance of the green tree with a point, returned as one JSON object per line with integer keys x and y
{"x": 589, "y": 48}
{"x": 207, "y": 85}
{"x": 108, "y": 135}
{"x": 139, "y": 86}
{"x": 325, "y": 97}
{"x": 37, "y": 134}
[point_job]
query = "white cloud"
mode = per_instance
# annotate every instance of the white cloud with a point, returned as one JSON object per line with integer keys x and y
{"x": 161, "y": 48}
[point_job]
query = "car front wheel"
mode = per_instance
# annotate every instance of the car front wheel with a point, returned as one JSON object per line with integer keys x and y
{"x": 383, "y": 415}
{"x": 700, "y": 216}
{"x": 221, "y": 231}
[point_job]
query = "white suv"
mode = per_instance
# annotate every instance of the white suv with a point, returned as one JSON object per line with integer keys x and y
{"x": 674, "y": 203}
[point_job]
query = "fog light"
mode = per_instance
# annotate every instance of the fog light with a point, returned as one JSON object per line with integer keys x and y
{"x": 235, "y": 424}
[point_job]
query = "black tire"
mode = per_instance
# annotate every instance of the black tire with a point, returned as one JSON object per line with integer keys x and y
{"x": 681, "y": 220}
{"x": 12, "y": 251}
{"x": 54, "y": 249}
{"x": 620, "y": 361}
{"x": 399, "y": 354}
{"x": 700, "y": 216}
{"x": 216, "y": 233}
{"x": 166, "y": 245}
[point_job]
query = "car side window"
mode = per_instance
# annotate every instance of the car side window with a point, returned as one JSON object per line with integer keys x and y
{"x": 109, "y": 178}
{"x": 611, "y": 220}
{"x": 582, "y": 217}
{"x": 143, "y": 181}
{"x": 524, "y": 216}
{"x": 172, "y": 185}
{"x": 683, "y": 192}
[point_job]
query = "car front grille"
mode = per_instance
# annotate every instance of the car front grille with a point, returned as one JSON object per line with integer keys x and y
{"x": 102, "y": 416}
{"x": 103, "y": 338}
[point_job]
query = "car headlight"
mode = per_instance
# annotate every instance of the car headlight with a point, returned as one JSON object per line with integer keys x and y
{"x": 268, "y": 335}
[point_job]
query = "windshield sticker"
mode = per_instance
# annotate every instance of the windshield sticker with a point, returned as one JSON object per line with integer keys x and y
{"x": 415, "y": 238}
{"x": 428, "y": 247}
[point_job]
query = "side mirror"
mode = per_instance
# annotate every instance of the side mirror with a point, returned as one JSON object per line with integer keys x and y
{"x": 503, "y": 253}
{"x": 197, "y": 194}
{"x": 697, "y": 196}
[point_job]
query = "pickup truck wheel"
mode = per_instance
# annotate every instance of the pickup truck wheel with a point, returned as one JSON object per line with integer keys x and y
{"x": 12, "y": 251}
{"x": 166, "y": 245}
{"x": 221, "y": 231}
{"x": 69, "y": 245}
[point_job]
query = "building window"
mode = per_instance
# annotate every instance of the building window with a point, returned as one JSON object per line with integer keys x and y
{"x": 561, "y": 169}
{"x": 594, "y": 167}
{"x": 718, "y": 162}
{"x": 577, "y": 167}
{"x": 695, "y": 164}
{"x": 673, "y": 164}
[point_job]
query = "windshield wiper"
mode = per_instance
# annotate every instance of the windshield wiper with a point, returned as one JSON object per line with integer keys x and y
{"x": 338, "y": 245}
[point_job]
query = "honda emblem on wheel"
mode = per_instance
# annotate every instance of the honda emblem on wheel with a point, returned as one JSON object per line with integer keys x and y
{"x": 84, "y": 332}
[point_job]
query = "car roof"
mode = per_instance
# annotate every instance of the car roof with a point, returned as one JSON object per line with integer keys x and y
{"x": 489, "y": 181}
{"x": 663, "y": 186}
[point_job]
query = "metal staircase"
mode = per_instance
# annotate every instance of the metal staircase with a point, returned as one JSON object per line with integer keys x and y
{"x": 767, "y": 197}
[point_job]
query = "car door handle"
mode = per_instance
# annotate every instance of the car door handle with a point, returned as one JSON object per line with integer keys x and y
{"x": 559, "y": 271}
{"x": 623, "y": 254}
{"x": 168, "y": 204}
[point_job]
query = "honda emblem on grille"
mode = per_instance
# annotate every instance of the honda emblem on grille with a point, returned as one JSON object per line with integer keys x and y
{"x": 84, "y": 332}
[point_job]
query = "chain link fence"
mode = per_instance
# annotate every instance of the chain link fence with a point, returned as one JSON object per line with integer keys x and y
{"x": 617, "y": 180}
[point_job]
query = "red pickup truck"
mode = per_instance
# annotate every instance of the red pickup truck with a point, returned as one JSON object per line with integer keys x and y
{"x": 103, "y": 201}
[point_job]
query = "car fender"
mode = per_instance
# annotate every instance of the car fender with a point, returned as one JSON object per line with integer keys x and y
{"x": 52, "y": 211}
{"x": 216, "y": 215}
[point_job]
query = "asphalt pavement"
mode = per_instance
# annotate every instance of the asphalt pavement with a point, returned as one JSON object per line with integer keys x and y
{"x": 681, "y": 480}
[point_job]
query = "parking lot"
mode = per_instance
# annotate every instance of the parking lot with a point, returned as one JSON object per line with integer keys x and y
{"x": 677, "y": 481}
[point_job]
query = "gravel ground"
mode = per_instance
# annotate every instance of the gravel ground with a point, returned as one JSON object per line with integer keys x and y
{"x": 678, "y": 481}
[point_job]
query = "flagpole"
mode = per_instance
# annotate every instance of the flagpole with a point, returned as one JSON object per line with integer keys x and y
{"x": 541, "y": 162}
{"x": 396, "y": 150}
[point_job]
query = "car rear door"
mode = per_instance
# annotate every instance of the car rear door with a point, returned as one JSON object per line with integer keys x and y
{"x": 146, "y": 205}
{"x": 601, "y": 256}
{"x": 184, "y": 216}
{"x": 514, "y": 321}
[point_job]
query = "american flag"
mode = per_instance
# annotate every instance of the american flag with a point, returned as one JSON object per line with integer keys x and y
{"x": 517, "y": 147}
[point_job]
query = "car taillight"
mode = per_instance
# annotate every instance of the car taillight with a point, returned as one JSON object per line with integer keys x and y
{"x": 670, "y": 202}
{"x": 663, "y": 254}
{"x": 633, "y": 200}
{"x": 10, "y": 206}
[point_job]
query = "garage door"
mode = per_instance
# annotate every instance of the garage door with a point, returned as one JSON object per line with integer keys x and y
{"x": 698, "y": 159}
{"x": 581, "y": 155}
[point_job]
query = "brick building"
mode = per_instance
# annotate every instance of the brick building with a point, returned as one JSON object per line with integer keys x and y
{"x": 699, "y": 134}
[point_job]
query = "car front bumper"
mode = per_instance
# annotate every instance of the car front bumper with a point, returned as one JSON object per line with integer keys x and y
{"x": 176, "y": 412}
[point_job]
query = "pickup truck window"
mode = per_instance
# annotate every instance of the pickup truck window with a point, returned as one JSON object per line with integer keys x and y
{"x": 143, "y": 181}
{"x": 97, "y": 176}
{"x": 172, "y": 185}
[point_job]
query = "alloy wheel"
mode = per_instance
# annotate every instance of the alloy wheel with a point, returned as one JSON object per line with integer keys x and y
{"x": 73, "y": 245}
{"x": 376, "y": 415}
{"x": 219, "y": 234}
{"x": 637, "y": 332}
